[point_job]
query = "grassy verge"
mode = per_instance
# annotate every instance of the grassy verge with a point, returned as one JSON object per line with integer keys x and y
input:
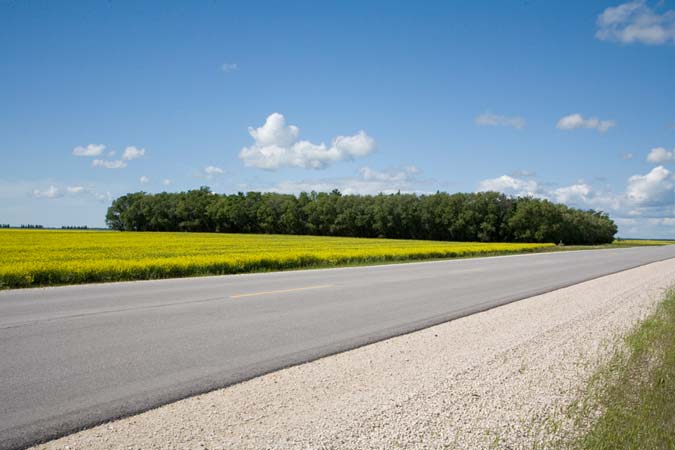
{"x": 635, "y": 393}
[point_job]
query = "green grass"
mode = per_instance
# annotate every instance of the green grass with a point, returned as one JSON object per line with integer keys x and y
{"x": 635, "y": 393}
{"x": 640, "y": 242}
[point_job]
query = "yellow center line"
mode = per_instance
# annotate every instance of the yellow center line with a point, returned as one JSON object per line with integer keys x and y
{"x": 281, "y": 291}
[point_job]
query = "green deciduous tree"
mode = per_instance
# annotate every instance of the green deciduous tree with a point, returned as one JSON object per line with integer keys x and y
{"x": 482, "y": 216}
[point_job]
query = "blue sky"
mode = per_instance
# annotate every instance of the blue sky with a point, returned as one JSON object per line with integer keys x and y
{"x": 571, "y": 101}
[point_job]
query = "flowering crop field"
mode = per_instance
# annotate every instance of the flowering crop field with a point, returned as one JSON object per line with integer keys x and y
{"x": 640, "y": 243}
{"x": 52, "y": 257}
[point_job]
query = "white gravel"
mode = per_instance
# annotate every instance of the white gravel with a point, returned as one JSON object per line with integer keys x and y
{"x": 496, "y": 379}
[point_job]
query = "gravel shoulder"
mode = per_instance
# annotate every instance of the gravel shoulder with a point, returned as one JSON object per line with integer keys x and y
{"x": 502, "y": 378}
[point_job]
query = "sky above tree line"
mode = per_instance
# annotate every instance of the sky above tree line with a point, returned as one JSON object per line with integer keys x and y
{"x": 569, "y": 101}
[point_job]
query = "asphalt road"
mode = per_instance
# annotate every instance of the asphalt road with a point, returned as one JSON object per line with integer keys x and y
{"x": 72, "y": 357}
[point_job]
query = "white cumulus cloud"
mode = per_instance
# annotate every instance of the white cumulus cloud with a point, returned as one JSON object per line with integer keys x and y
{"x": 167, "y": 182}
{"x": 636, "y": 22}
{"x": 89, "y": 150}
{"x": 580, "y": 194}
{"x": 132, "y": 153}
{"x": 653, "y": 188}
{"x": 143, "y": 179}
{"x": 511, "y": 186}
{"x": 660, "y": 155}
{"x": 575, "y": 193}
{"x": 642, "y": 208}
{"x": 276, "y": 145}
{"x": 489, "y": 119}
{"x": 574, "y": 121}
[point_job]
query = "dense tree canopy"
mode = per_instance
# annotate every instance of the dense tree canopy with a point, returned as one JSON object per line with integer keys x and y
{"x": 482, "y": 216}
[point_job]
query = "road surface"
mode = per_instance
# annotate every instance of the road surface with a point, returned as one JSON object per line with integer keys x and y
{"x": 72, "y": 357}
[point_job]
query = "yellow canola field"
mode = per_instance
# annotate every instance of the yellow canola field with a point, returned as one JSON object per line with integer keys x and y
{"x": 640, "y": 242}
{"x": 52, "y": 257}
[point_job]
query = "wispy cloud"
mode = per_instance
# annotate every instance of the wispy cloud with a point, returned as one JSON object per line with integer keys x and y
{"x": 368, "y": 182}
{"x": 132, "y": 152}
{"x": 575, "y": 121}
{"x": 51, "y": 192}
{"x": 104, "y": 197}
{"x": 228, "y": 67}
{"x": 636, "y": 22}
{"x": 488, "y": 119}
{"x": 89, "y": 150}
{"x": 212, "y": 171}
{"x": 54, "y": 191}
{"x": 523, "y": 173}
{"x": 76, "y": 189}
{"x": 114, "y": 164}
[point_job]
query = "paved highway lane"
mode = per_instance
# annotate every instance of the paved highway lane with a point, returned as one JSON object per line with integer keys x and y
{"x": 72, "y": 357}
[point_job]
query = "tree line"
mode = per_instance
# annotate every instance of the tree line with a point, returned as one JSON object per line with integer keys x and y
{"x": 481, "y": 216}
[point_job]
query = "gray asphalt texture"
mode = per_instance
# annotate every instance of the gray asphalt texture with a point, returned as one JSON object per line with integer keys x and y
{"x": 73, "y": 357}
